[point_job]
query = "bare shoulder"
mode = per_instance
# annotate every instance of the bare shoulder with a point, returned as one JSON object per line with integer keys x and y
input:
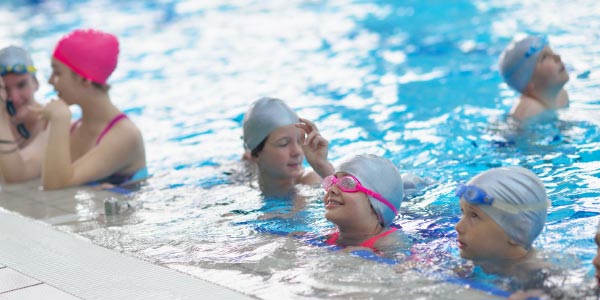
{"x": 526, "y": 107}
{"x": 308, "y": 177}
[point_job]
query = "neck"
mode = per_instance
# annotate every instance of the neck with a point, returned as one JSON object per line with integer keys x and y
{"x": 352, "y": 235}
{"x": 549, "y": 98}
{"x": 505, "y": 265}
{"x": 272, "y": 187}
{"x": 97, "y": 108}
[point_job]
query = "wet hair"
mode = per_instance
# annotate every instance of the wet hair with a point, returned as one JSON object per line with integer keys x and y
{"x": 259, "y": 147}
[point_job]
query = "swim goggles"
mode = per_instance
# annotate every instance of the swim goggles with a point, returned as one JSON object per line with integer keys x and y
{"x": 477, "y": 196}
{"x": 350, "y": 184}
{"x": 10, "y": 108}
{"x": 536, "y": 46}
{"x": 16, "y": 69}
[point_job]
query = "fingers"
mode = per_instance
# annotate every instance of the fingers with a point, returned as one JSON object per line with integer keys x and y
{"x": 307, "y": 126}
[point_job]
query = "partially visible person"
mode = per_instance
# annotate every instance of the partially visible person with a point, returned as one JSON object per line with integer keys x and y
{"x": 104, "y": 145}
{"x": 362, "y": 200}
{"x": 529, "y": 66}
{"x": 503, "y": 211}
{"x": 596, "y": 260}
{"x": 276, "y": 140}
{"x": 22, "y": 133}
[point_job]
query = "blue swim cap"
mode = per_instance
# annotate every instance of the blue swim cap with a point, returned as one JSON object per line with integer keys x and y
{"x": 381, "y": 176}
{"x": 522, "y": 204}
{"x": 517, "y": 61}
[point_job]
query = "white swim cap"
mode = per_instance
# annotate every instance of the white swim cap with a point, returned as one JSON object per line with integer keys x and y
{"x": 13, "y": 58}
{"x": 517, "y": 61}
{"x": 519, "y": 204}
{"x": 264, "y": 116}
{"x": 381, "y": 176}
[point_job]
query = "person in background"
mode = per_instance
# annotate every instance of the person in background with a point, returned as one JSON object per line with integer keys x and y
{"x": 104, "y": 145}
{"x": 22, "y": 133}
{"x": 276, "y": 140}
{"x": 362, "y": 199}
{"x": 529, "y": 66}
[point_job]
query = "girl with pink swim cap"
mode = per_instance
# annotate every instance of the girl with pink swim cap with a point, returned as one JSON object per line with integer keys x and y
{"x": 104, "y": 143}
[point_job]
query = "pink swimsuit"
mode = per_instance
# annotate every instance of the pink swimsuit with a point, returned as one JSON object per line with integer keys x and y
{"x": 370, "y": 243}
{"x": 116, "y": 178}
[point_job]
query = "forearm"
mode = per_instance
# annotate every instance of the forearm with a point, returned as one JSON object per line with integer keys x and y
{"x": 322, "y": 167}
{"x": 12, "y": 165}
{"x": 57, "y": 169}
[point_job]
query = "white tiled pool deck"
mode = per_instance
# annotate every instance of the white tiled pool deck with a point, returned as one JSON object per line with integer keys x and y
{"x": 40, "y": 262}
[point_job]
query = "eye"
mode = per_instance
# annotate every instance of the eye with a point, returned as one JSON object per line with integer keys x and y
{"x": 473, "y": 215}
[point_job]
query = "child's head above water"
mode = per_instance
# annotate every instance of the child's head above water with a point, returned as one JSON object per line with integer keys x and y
{"x": 90, "y": 53}
{"x": 377, "y": 178}
{"x": 264, "y": 116}
{"x": 517, "y": 61}
{"x": 504, "y": 209}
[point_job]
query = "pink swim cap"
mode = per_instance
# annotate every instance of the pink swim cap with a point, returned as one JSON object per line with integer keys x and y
{"x": 90, "y": 53}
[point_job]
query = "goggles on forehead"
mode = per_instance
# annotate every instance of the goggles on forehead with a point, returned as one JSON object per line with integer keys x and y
{"x": 536, "y": 46}
{"x": 16, "y": 69}
{"x": 350, "y": 184}
{"x": 476, "y": 196}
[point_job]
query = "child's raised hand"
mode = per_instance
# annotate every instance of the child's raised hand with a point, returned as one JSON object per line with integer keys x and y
{"x": 315, "y": 147}
{"x": 56, "y": 109}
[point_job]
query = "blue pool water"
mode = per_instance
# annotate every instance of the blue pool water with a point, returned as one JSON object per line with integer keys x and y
{"x": 414, "y": 81}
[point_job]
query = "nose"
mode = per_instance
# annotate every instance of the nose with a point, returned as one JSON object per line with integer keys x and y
{"x": 459, "y": 227}
{"x": 296, "y": 149}
{"x": 557, "y": 58}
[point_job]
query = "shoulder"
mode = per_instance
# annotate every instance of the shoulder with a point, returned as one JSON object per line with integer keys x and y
{"x": 526, "y": 107}
{"x": 309, "y": 177}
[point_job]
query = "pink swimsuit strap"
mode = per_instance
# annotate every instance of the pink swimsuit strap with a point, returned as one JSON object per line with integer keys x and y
{"x": 105, "y": 130}
{"x": 110, "y": 126}
{"x": 370, "y": 243}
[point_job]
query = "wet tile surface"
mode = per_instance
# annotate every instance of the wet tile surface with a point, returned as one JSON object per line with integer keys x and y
{"x": 12, "y": 280}
{"x": 41, "y": 291}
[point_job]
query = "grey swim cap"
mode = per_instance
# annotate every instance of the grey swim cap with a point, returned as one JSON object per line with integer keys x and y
{"x": 13, "y": 55}
{"x": 520, "y": 203}
{"x": 517, "y": 61}
{"x": 264, "y": 116}
{"x": 381, "y": 176}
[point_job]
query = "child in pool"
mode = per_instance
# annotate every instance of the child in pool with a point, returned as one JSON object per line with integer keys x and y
{"x": 529, "y": 66}
{"x": 277, "y": 141}
{"x": 104, "y": 145}
{"x": 362, "y": 200}
{"x": 503, "y": 211}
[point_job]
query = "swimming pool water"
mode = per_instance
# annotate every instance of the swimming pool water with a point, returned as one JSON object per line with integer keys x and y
{"x": 414, "y": 81}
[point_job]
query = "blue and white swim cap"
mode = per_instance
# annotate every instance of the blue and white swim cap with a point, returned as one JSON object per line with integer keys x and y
{"x": 517, "y": 61}
{"x": 520, "y": 205}
{"x": 378, "y": 175}
{"x": 264, "y": 116}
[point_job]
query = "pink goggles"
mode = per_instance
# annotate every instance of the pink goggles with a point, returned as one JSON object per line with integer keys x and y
{"x": 350, "y": 184}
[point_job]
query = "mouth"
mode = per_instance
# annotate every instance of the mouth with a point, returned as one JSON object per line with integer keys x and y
{"x": 461, "y": 245}
{"x": 332, "y": 203}
{"x": 294, "y": 165}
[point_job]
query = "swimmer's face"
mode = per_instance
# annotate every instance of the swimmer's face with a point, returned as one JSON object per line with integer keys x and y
{"x": 549, "y": 70}
{"x": 479, "y": 237}
{"x": 20, "y": 88}
{"x": 596, "y": 260}
{"x": 349, "y": 209}
{"x": 64, "y": 81}
{"x": 282, "y": 156}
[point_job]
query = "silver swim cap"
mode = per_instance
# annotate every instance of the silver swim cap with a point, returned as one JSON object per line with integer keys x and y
{"x": 381, "y": 176}
{"x": 519, "y": 204}
{"x": 264, "y": 116}
{"x": 13, "y": 57}
{"x": 517, "y": 61}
